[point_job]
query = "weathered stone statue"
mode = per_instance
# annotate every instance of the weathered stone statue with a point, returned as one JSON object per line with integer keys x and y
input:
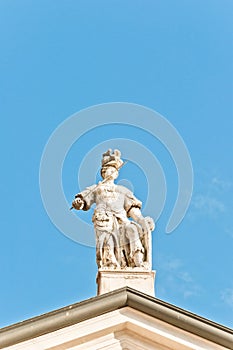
{"x": 121, "y": 243}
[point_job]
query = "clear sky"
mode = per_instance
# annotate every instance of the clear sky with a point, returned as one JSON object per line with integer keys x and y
{"x": 59, "y": 57}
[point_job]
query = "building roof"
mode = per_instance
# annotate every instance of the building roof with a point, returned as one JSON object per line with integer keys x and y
{"x": 118, "y": 299}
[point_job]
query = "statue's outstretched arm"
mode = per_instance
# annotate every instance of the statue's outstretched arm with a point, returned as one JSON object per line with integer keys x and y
{"x": 84, "y": 199}
{"x": 78, "y": 203}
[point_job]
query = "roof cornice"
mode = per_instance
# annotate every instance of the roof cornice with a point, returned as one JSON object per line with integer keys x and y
{"x": 108, "y": 302}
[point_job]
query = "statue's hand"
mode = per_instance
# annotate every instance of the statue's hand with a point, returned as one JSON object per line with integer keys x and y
{"x": 78, "y": 203}
{"x": 150, "y": 223}
{"x": 147, "y": 224}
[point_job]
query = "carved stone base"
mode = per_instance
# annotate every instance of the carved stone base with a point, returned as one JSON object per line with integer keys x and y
{"x": 109, "y": 280}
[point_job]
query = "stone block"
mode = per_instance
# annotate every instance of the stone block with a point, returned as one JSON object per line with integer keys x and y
{"x": 141, "y": 280}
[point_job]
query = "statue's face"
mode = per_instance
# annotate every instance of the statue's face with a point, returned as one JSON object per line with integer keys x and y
{"x": 110, "y": 173}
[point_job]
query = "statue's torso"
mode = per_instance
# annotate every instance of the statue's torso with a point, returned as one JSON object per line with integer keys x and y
{"x": 111, "y": 199}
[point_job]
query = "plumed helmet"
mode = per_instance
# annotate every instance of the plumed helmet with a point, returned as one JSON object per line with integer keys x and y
{"x": 111, "y": 158}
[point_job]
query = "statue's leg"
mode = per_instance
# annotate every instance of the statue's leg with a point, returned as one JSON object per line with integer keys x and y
{"x": 108, "y": 256}
{"x": 99, "y": 247}
{"x": 112, "y": 257}
{"x": 136, "y": 248}
{"x": 124, "y": 248}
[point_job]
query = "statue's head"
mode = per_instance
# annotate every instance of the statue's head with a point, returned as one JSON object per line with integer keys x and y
{"x": 109, "y": 172}
{"x": 111, "y": 163}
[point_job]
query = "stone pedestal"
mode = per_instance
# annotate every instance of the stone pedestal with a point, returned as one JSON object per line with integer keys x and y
{"x": 109, "y": 280}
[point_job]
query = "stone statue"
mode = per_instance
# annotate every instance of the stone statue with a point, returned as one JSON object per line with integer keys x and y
{"x": 121, "y": 243}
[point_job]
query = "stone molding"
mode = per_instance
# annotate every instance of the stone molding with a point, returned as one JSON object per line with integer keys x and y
{"x": 115, "y": 300}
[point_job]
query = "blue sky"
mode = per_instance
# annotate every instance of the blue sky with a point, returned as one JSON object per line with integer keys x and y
{"x": 58, "y": 57}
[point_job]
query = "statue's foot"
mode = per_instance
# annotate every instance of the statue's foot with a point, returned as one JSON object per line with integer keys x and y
{"x": 146, "y": 265}
{"x": 111, "y": 265}
{"x": 117, "y": 265}
{"x": 138, "y": 258}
